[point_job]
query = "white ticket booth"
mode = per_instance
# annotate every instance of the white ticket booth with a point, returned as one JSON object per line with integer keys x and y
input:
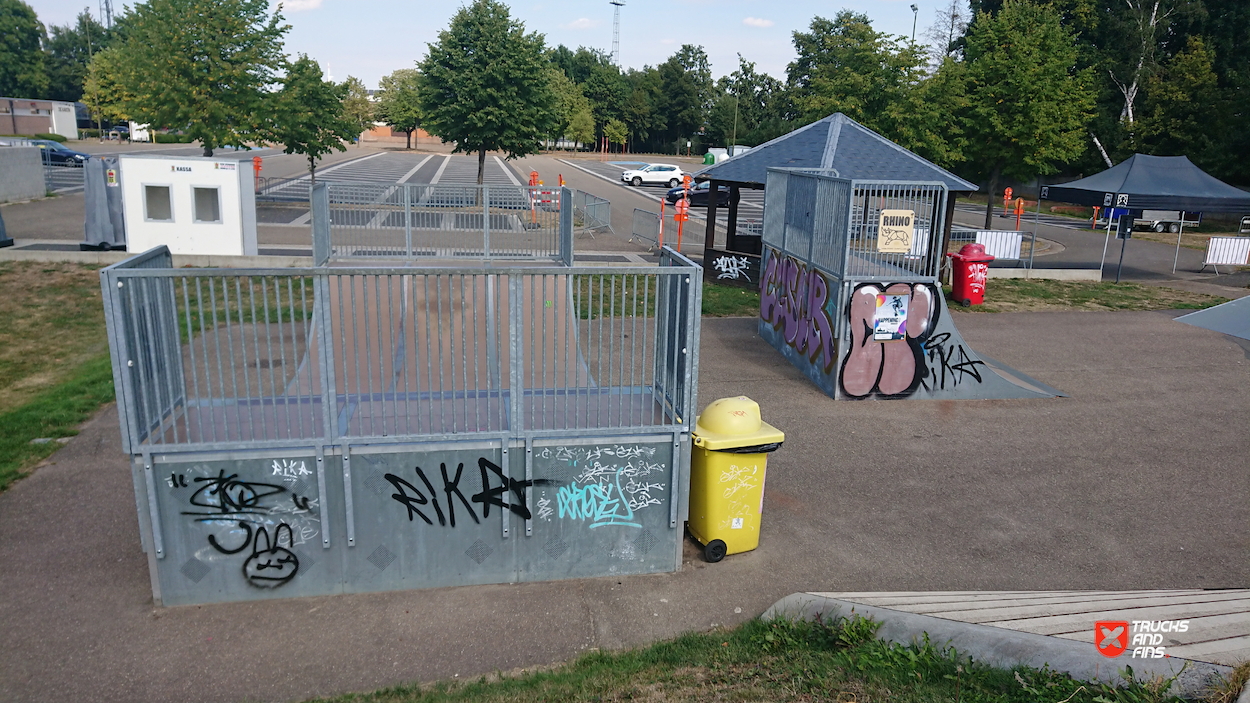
{"x": 191, "y": 205}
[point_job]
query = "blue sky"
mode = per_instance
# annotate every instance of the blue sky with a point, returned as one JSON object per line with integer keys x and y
{"x": 370, "y": 38}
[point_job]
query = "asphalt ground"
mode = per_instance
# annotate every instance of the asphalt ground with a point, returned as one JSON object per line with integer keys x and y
{"x": 1136, "y": 481}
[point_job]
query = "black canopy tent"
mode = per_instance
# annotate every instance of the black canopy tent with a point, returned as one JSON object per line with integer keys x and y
{"x": 836, "y": 143}
{"x": 1144, "y": 182}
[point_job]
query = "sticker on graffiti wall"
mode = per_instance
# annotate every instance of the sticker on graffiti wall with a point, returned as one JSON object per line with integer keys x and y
{"x": 895, "y": 231}
{"x": 883, "y": 369}
{"x": 889, "y": 322}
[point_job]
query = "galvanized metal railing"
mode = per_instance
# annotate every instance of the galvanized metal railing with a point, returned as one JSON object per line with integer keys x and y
{"x": 833, "y": 222}
{"x": 424, "y": 221}
{"x": 225, "y": 359}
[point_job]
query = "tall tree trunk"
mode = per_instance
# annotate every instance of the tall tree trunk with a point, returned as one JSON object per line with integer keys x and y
{"x": 989, "y": 202}
{"x": 481, "y": 164}
{"x": 408, "y": 134}
{"x": 312, "y": 170}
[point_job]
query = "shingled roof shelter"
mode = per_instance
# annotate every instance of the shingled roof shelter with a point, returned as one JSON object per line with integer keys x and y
{"x": 837, "y": 144}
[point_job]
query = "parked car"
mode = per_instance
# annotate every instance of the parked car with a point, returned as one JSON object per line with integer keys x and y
{"x": 698, "y": 195}
{"x": 57, "y": 153}
{"x": 655, "y": 174}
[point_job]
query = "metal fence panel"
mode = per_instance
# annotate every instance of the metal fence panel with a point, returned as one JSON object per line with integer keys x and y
{"x": 424, "y": 221}
{"x": 255, "y": 358}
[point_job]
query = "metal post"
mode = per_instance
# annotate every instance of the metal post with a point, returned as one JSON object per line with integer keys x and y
{"x": 486, "y": 220}
{"x": 1176, "y": 257}
{"x": 408, "y": 221}
{"x": 1033, "y": 244}
{"x": 1123, "y": 244}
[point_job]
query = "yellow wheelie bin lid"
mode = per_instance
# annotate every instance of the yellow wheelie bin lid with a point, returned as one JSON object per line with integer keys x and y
{"x": 733, "y": 423}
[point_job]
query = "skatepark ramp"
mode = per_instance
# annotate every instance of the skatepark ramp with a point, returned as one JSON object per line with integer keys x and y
{"x": 850, "y": 293}
{"x": 335, "y": 429}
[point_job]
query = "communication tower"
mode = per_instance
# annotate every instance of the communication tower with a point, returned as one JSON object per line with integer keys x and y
{"x": 616, "y": 31}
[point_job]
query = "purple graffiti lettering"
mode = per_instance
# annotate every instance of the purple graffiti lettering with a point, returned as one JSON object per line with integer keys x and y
{"x": 793, "y": 299}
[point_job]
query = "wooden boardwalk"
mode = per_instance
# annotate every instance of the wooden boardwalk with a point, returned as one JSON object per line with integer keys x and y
{"x": 1219, "y": 620}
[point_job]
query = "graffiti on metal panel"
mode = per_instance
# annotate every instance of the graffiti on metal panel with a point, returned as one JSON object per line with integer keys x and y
{"x": 497, "y": 489}
{"x": 949, "y": 363}
{"x": 732, "y": 267}
{"x": 270, "y": 518}
{"x": 925, "y": 359}
{"x": 887, "y": 369}
{"x": 613, "y": 483}
{"x": 272, "y": 565}
{"x": 794, "y": 299}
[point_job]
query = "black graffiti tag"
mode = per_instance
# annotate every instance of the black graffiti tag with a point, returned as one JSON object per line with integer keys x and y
{"x": 227, "y": 496}
{"x": 410, "y": 496}
{"x": 413, "y": 498}
{"x": 271, "y": 564}
{"x": 949, "y": 363}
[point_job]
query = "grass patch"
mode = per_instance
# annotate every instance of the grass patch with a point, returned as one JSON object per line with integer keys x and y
{"x": 775, "y": 661}
{"x": 54, "y": 364}
{"x": 54, "y": 322}
{"x": 54, "y": 412}
{"x": 730, "y": 301}
{"x": 1028, "y": 295}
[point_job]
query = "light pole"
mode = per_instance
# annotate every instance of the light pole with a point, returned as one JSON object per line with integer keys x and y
{"x": 915, "y": 12}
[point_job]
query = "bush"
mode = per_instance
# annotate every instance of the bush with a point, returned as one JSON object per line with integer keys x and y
{"x": 88, "y": 134}
{"x": 172, "y": 138}
{"x": 54, "y": 137}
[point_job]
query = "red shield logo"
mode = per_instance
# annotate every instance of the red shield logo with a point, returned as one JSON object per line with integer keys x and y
{"x": 1111, "y": 637}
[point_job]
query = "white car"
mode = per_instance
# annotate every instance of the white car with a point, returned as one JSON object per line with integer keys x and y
{"x": 655, "y": 174}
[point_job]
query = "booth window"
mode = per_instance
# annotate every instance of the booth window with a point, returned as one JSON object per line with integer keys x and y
{"x": 207, "y": 205}
{"x": 156, "y": 204}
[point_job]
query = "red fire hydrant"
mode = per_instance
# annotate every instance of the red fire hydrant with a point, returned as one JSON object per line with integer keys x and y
{"x": 970, "y": 268}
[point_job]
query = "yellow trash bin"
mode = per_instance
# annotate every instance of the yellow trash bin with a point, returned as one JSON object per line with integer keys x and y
{"x": 727, "y": 463}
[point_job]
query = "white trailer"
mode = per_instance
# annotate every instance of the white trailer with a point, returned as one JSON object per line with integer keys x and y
{"x": 1167, "y": 220}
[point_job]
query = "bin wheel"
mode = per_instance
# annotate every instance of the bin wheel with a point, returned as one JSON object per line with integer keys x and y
{"x": 714, "y": 551}
{"x": 966, "y": 302}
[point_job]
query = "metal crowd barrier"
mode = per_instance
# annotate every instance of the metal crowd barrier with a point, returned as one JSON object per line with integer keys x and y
{"x": 646, "y": 227}
{"x": 334, "y": 420}
{"x": 590, "y": 212}
{"x": 1003, "y": 245}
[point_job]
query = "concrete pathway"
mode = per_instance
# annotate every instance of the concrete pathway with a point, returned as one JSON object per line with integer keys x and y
{"x": 1218, "y": 631}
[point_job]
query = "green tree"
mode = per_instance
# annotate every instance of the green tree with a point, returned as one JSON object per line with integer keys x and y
{"x": 685, "y": 93}
{"x": 569, "y": 101}
{"x": 23, "y": 70}
{"x": 581, "y": 127}
{"x": 616, "y": 132}
{"x": 399, "y": 104}
{"x": 70, "y": 49}
{"x": 103, "y": 91}
{"x": 310, "y": 117}
{"x": 486, "y": 86}
{"x": 1027, "y": 103}
{"x": 1181, "y": 114}
{"x": 844, "y": 65}
{"x": 202, "y": 65}
{"x": 747, "y": 100}
{"x": 356, "y": 106}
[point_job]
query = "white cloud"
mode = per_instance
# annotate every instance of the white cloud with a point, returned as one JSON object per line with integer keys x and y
{"x": 581, "y": 23}
{"x": 300, "y": 5}
{"x": 668, "y": 42}
{"x": 757, "y": 22}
